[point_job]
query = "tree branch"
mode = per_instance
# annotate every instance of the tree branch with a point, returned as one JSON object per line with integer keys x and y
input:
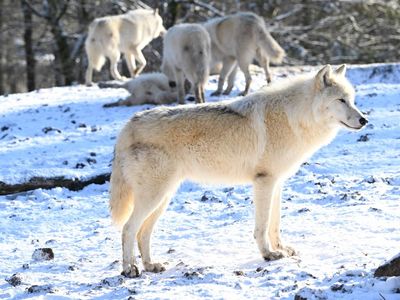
{"x": 63, "y": 10}
{"x": 206, "y": 6}
{"x": 209, "y": 7}
{"x": 36, "y": 12}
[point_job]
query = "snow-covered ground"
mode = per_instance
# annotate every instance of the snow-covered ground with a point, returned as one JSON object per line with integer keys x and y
{"x": 340, "y": 211}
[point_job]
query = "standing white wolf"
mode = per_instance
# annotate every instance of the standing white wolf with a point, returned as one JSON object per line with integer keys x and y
{"x": 262, "y": 138}
{"x": 235, "y": 41}
{"x": 186, "y": 54}
{"x": 150, "y": 88}
{"x": 128, "y": 33}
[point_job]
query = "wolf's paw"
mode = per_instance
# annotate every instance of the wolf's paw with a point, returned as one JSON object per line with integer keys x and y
{"x": 244, "y": 93}
{"x": 154, "y": 267}
{"x": 288, "y": 250}
{"x": 226, "y": 92}
{"x": 274, "y": 255}
{"x": 131, "y": 272}
{"x": 216, "y": 93}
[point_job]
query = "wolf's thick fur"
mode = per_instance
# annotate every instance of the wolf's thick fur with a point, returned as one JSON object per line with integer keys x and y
{"x": 150, "y": 88}
{"x": 235, "y": 41}
{"x": 186, "y": 54}
{"x": 128, "y": 33}
{"x": 262, "y": 138}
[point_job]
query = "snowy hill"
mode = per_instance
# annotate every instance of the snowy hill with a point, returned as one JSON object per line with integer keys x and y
{"x": 340, "y": 211}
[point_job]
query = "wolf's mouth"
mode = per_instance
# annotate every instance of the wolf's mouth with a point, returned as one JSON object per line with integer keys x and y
{"x": 348, "y": 126}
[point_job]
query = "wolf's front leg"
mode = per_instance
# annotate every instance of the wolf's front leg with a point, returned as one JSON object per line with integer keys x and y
{"x": 274, "y": 226}
{"x": 264, "y": 189}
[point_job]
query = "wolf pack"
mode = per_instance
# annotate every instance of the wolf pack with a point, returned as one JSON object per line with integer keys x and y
{"x": 262, "y": 138}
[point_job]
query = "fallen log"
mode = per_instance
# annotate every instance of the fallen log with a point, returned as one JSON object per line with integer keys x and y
{"x": 72, "y": 184}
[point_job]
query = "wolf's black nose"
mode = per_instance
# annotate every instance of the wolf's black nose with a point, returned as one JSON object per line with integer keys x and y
{"x": 363, "y": 121}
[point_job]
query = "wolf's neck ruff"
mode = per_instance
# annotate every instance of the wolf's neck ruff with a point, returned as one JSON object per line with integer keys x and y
{"x": 295, "y": 101}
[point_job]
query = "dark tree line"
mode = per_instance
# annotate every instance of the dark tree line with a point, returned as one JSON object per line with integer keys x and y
{"x": 42, "y": 41}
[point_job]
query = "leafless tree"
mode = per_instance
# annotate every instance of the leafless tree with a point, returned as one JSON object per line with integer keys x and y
{"x": 28, "y": 45}
{"x": 41, "y": 41}
{"x": 52, "y": 11}
{"x": 2, "y": 83}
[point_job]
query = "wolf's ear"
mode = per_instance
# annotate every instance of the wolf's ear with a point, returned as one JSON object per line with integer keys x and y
{"x": 341, "y": 70}
{"x": 156, "y": 11}
{"x": 324, "y": 77}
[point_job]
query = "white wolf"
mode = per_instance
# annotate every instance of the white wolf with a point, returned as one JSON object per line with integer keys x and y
{"x": 128, "y": 33}
{"x": 262, "y": 138}
{"x": 186, "y": 54}
{"x": 235, "y": 41}
{"x": 150, "y": 88}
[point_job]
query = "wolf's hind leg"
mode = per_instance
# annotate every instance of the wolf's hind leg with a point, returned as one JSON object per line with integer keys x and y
{"x": 145, "y": 203}
{"x": 144, "y": 238}
{"x": 89, "y": 75}
{"x": 150, "y": 188}
{"x": 264, "y": 63}
{"x": 180, "y": 84}
{"x": 130, "y": 62}
{"x": 227, "y": 66}
{"x": 141, "y": 61}
{"x": 114, "y": 66}
{"x": 245, "y": 70}
{"x": 231, "y": 81}
{"x": 199, "y": 92}
{"x": 244, "y": 62}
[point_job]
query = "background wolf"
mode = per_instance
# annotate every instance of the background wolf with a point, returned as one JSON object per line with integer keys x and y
{"x": 238, "y": 39}
{"x": 262, "y": 138}
{"x": 150, "y": 88}
{"x": 128, "y": 33}
{"x": 186, "y": 54}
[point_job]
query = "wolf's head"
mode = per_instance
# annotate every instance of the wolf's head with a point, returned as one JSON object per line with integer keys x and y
{"x": 159, "y": 27}
{"x": 334, "y": 100}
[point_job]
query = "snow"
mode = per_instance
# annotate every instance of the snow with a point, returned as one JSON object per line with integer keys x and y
{"x": 340, "y": 211}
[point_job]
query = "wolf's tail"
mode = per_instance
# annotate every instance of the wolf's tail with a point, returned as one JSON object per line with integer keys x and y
{"x": 274, "y": 51}
{"x": 121, "y": 195}
{"x": 116, "y": 85}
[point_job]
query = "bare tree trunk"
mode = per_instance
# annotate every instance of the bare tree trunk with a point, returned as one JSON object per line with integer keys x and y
{"x": 62, "y": 53}
{"x": 52, "y": 12}
{"x": 2, "y": 86}
{"x": 80, "y": 55}
{"x": 174, "y": 11}
{"x": 29, "y": 53}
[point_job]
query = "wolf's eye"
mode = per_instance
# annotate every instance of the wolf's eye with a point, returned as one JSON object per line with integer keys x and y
{"x": 342, "y": 100}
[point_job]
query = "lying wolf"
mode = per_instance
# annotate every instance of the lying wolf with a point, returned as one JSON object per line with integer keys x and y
{"x": 186, "y": 54}
{"x": 128, "y": 33}
{"x": 262, "y": 138}
{"x": 150, "y": 88}
{"x": 235, "y": 41}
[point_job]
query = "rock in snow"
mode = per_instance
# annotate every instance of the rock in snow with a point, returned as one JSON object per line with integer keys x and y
{"x": 390, "y": 268}
{"x": 42, "y": 254}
